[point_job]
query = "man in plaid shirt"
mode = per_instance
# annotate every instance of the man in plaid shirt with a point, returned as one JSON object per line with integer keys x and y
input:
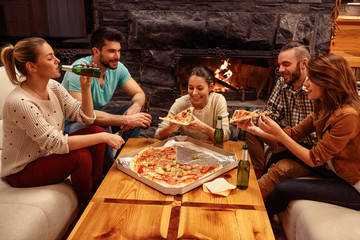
{"x": 288, "y": 104}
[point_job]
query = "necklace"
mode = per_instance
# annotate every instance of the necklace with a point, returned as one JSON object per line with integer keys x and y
{"x": 36, "y": 91}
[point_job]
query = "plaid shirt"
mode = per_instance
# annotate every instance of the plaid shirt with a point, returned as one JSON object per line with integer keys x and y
{"x": 289, "y": 106}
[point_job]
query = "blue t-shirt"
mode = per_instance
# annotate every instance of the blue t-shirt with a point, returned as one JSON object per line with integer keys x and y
{"x": 101, "y": 96}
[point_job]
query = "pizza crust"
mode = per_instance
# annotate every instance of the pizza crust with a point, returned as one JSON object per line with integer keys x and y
{"x": 174, "y": 121}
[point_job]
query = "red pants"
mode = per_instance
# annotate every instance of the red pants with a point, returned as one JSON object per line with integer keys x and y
{"x": 84, "y": 165}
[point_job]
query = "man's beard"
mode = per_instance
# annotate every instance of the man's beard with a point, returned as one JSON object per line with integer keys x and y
{"x": 106, "y": 64}
{"x": 295, "y": 75}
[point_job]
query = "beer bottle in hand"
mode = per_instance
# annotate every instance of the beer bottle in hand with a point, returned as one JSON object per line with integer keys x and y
{"x": 83, "y": 70}
{"x": 219, "y": 133}
{"x": 243, "y": 169}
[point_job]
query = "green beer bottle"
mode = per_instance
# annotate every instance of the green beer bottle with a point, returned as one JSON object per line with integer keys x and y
{"x": 82, "y": 70}
{"x": 242, "y": 133}
{"x": 243, "y": 169}
{"x": 219, "y": 133}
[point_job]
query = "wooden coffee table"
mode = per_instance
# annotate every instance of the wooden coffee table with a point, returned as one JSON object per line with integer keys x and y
{"x": 125, "y": 208}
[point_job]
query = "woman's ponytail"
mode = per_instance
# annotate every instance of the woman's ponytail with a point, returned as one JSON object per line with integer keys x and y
{"x": 7, "y": 58}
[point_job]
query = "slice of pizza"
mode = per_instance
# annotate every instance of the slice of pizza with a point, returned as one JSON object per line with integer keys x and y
{"x": 183, "y": 118}
{"x": 241, "y": 115}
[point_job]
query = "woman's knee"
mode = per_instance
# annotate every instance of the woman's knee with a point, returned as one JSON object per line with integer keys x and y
{"x": 95, "y": 129}
{"x": 81, "y": 157}
{"x": 89, "y": 130}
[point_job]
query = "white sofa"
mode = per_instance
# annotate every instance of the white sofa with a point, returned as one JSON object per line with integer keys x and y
{"x": 310, "y": 220}
{"x": 33, "y": 213}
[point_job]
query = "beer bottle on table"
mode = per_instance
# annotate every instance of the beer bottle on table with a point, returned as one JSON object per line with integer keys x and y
{"x": 243, "y": 169}
{"x": 83, "y": 70}
{"x": 242, "y": 133}
{"x": 219, "y": 133}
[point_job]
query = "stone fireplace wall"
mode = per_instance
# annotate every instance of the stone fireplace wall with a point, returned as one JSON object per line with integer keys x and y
{"x": 155, "y": 29}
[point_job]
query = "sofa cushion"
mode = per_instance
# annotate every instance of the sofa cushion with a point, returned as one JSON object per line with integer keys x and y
{"x": 5, "y": 88}
{"x": 311, "y": 220}
{"x": 23, "y": 215}
{"x": 41, "y": 210}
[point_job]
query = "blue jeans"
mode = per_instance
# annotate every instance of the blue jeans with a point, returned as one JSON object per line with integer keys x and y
{"x": 132, "y": 133}
{"x": 328, "y": 189}
{"x": 109, "y": 158}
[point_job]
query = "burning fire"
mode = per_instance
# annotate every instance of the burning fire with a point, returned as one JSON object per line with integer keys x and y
{"x": 223, "y": 74}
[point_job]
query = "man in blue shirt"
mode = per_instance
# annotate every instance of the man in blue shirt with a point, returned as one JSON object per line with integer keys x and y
{"x": 105, "y": 43}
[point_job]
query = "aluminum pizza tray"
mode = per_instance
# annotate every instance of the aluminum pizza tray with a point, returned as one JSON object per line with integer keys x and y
{"x": 187, "y": 148}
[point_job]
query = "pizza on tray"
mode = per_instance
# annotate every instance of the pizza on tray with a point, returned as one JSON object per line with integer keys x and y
{"x": 160, "y": 165}
{"x": 241, "y": 115}
{"x": 183, "y": 118}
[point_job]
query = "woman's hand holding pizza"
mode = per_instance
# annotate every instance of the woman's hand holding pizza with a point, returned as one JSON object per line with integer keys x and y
{"x": 173, "y": 126}
{"x": 195, "y": 124}
{"x": 270, "y": 126}
{"x": 246, "y": 125}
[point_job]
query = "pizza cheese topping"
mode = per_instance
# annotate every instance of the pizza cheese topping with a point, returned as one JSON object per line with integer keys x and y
{"x": 241, "y": 115}
{"x": 161, "y": 166}
{"x": 183, "y": 118}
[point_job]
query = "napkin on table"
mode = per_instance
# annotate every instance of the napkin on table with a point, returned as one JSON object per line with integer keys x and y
{"x": 219, "y": 186}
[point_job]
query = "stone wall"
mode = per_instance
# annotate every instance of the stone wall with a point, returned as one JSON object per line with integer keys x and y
{"x": 154, "y": 29}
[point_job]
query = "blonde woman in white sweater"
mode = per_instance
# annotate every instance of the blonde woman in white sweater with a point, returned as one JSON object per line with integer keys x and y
{"x": 35, "y": 152}
{"x": 207, "y": 104}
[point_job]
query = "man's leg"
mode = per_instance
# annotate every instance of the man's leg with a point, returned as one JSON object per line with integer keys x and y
{"x": 72, "y": 127}
{"x": 286, "y": 154}
{"x": 109, "y": 158}
{"x": 256, "y": 151}
{"x": 281, "y": 171}
{"x": 132, "y": 133}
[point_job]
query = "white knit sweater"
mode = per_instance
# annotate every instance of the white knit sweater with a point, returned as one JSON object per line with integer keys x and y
{"x": 33, "y": 128}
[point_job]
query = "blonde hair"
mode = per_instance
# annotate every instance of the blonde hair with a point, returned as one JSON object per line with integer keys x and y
{"x": 15, "y": 57}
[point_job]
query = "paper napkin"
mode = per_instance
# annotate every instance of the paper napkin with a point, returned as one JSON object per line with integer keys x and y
{"x": 219, "y": 186}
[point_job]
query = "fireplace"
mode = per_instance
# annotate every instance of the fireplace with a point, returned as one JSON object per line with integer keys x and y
{"x": 240, "y": 75}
